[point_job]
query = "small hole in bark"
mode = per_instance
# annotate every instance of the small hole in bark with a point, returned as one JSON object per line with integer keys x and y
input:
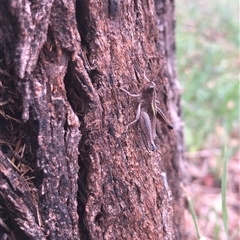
{"x": 95, "y": 78}
{"x": 99, "y": 218}
{"x": 111, "y": 130}
{"x": 112, "y": 8}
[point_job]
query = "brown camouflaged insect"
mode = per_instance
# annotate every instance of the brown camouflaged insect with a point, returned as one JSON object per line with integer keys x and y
{"x": 147, "y": 113}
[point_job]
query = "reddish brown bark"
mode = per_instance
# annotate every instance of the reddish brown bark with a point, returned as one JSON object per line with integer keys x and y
{"x": 66, "y": 62}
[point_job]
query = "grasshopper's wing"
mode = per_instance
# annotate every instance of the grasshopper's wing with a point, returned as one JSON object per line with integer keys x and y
{"x": 147, "y": 131}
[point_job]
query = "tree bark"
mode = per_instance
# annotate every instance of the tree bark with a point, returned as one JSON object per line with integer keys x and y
{"x": 68, "y": 168}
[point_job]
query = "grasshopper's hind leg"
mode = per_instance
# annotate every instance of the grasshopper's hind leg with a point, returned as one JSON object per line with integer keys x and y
{"x": 160, "y": 115}
{"x": 137, "y": 116}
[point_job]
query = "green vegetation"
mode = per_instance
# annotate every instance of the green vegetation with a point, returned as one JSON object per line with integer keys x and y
{"x": 207, "y": 37}
{"x": 193, "y": 214}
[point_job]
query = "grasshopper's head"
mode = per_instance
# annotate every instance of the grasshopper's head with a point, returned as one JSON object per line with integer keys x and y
{"x": 149, "y": 88}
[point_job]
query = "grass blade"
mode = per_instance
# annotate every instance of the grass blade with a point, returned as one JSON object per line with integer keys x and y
{"x": 224, "y": 192}
{"x": 192, "y": 211}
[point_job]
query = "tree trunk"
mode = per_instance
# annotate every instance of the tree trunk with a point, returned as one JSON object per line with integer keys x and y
{"x": 68, "y": 167}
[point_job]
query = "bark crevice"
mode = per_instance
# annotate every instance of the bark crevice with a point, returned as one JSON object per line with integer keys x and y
{"x": 92, "y": 179}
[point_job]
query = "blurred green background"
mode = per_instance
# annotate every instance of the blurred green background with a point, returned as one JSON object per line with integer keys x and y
{"x": 207, "y": 37}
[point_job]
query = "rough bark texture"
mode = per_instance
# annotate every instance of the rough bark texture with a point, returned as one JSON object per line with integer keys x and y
{"x": 68, "y": 169}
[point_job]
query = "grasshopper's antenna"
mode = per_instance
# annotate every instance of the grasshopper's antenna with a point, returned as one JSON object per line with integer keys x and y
{"x": 146, "y": 77}
{"x": 130, "y": 94}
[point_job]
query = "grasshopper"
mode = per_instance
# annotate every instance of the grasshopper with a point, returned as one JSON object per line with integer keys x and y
{"x": 147, "y": 113}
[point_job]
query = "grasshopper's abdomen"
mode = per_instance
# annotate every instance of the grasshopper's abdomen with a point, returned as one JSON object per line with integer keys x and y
{"x": 146, "y": 127}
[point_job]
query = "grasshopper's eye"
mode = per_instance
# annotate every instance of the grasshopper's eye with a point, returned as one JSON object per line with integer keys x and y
{"x": 150, "y": 89}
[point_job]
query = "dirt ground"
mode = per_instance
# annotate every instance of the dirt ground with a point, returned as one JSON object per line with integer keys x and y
{"x": 205, "y": 192}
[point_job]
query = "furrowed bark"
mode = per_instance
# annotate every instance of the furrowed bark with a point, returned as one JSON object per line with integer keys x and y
{"x": 65, "y": 62}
